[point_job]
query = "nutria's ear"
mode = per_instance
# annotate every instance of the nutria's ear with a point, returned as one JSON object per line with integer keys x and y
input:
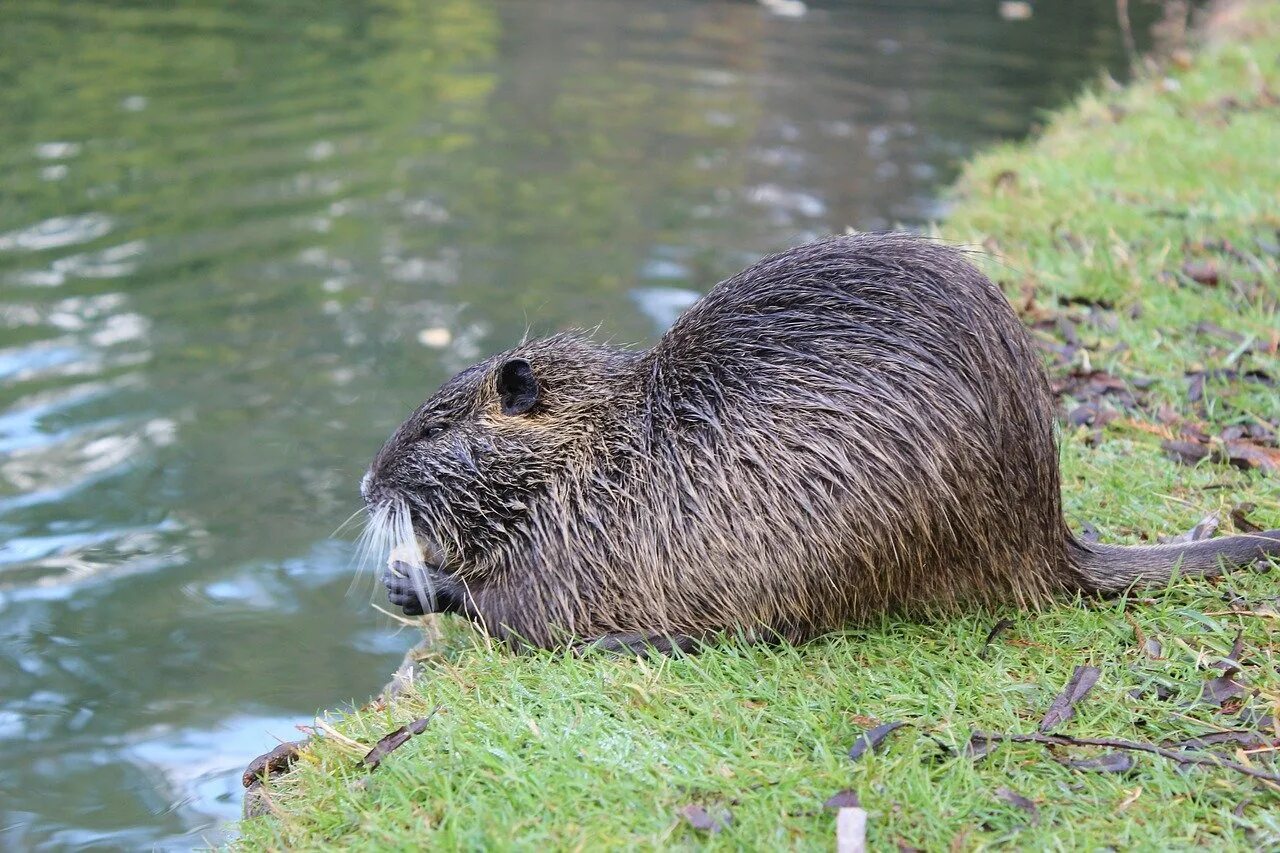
{"x": 518, "y": 389}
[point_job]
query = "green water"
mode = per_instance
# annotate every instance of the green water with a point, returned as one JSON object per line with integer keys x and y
{"x": 238, "y": 241}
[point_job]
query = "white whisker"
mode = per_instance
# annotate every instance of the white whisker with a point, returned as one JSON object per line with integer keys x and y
{"x": 388, "y": 537}
{"x": 406, "y": 549}
{"x": 337, "y": 531}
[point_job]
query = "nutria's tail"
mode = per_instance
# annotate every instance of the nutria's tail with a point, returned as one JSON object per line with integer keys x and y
{"x": 1114, "y": 568}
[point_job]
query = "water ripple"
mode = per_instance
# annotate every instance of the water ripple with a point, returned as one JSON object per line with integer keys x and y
{"x": 56, "y": 232}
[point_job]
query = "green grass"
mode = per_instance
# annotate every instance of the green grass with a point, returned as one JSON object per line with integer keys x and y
{"x": 546, "y": 751}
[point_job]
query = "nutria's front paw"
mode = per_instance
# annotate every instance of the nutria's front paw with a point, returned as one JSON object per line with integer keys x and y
{"x": 404, "y": 590}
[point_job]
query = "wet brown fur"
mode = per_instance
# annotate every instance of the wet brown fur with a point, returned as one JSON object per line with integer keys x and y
{"x": 855, "y": 426}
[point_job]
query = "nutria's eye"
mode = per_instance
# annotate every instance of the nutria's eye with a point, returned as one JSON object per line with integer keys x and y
{"x": 518, "y": 389}
{"x": 431, "y": 431}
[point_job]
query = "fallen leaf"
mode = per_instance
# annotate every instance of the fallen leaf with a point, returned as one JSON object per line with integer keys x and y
{"x": 979, "y": 745}
{"x": 872, "y": 739}
{"x": 1202, "y": 272}
{"x": 274, "y": 763}
{"x": 999, "y": 628}
{"x": 1195, "y": 388}
{"x": 1249, "y": 454}
{"x": 1182, "y": 758}
{"x": 1063, "y": 706}
{"x": 1218, "y": 690}
{"x": 1244, "y": 738}
{"x": 1108, "y": 762}
{"x": 397, "y": 739}
{"x": 701, "y": 820}
{"x": 1214, "y": 330}
{"x": 1232, "y": 661}
{"x": 1240, "y": 518}
{"x": 845, "y": 799}
{"x": 1250, "y": 716}
{"x": 1204, "y": 529}
{"x": 1193, "y": 431}
{"x": 1186, "y": 452}
{"x": 1255, "y": 431}
{"x": 1129, "y": 800}
{"x": 1092, "y": 413}
{"x": 1150, "y": 645}
{"x": 1014, "y": 798}
{"x": 944, "y": 750}
{"x": 1091, "y": 385}
{"x": 1160, "y": 690}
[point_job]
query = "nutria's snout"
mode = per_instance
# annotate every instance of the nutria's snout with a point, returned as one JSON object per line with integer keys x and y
{"x": 381, "y": 494}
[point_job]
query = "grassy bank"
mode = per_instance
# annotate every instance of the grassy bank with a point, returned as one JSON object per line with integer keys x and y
{"x": 1138, "y": 235}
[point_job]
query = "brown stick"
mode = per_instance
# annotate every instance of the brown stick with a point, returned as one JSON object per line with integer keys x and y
{"x": 1174, "y": 755}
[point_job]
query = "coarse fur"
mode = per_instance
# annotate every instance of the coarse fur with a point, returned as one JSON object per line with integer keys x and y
{"x": 856, "y": 426}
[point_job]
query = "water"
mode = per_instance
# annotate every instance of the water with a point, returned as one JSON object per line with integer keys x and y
{"x": 239, "y": 241}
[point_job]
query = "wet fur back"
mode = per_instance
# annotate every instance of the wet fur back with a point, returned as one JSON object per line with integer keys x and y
{"x": 835, "y": 424}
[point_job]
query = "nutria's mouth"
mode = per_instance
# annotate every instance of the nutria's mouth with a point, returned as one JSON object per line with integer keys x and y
{"x": 423, "y": 552}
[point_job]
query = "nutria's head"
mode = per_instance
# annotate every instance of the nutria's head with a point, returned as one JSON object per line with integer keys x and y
{"x": 467, "y": 469}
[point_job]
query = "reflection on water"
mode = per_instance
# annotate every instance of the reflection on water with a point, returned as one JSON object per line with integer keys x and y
{"x": 239, "y": 241}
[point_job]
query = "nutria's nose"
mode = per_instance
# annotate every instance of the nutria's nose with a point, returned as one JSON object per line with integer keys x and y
{"x": 372, "y": 491}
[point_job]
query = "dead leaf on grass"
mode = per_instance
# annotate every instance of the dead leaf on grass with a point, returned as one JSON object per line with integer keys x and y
{"x": 703, "y": 821}
{"x": 1092, "y": 413}
{"x": 1205, "y": 272}
{"x": 869, "y": 740}
{"x": 1195, "y": 387}
{"x": 1108, "y": 762}
{"x": 388, "y": 744}
{"x": 1243, "y": 738}
{"x": 1204, "y": 529}
{"x": 845, "y": 799}
{"x": 1161, "y": 691}
{"x": 1086, "y": 385}
{"x": 1217, "y": 691}
{"x": 999, "y": 628}
{"x": 979, "y": 745}
{"x": 1014, "y": 798}
{"x": 274, "y": 763}
{"x": 1063, "y": 706}
{"x": 1247, "y": 454}
{"x": 1240, "y": 518}
{"x": 1186, "y": 452}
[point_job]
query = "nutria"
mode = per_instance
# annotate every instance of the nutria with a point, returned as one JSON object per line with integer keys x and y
{"x": 856, "y": 426}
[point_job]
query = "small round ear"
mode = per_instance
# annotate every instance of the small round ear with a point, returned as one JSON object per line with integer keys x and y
{"x": 518, "y": 388}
